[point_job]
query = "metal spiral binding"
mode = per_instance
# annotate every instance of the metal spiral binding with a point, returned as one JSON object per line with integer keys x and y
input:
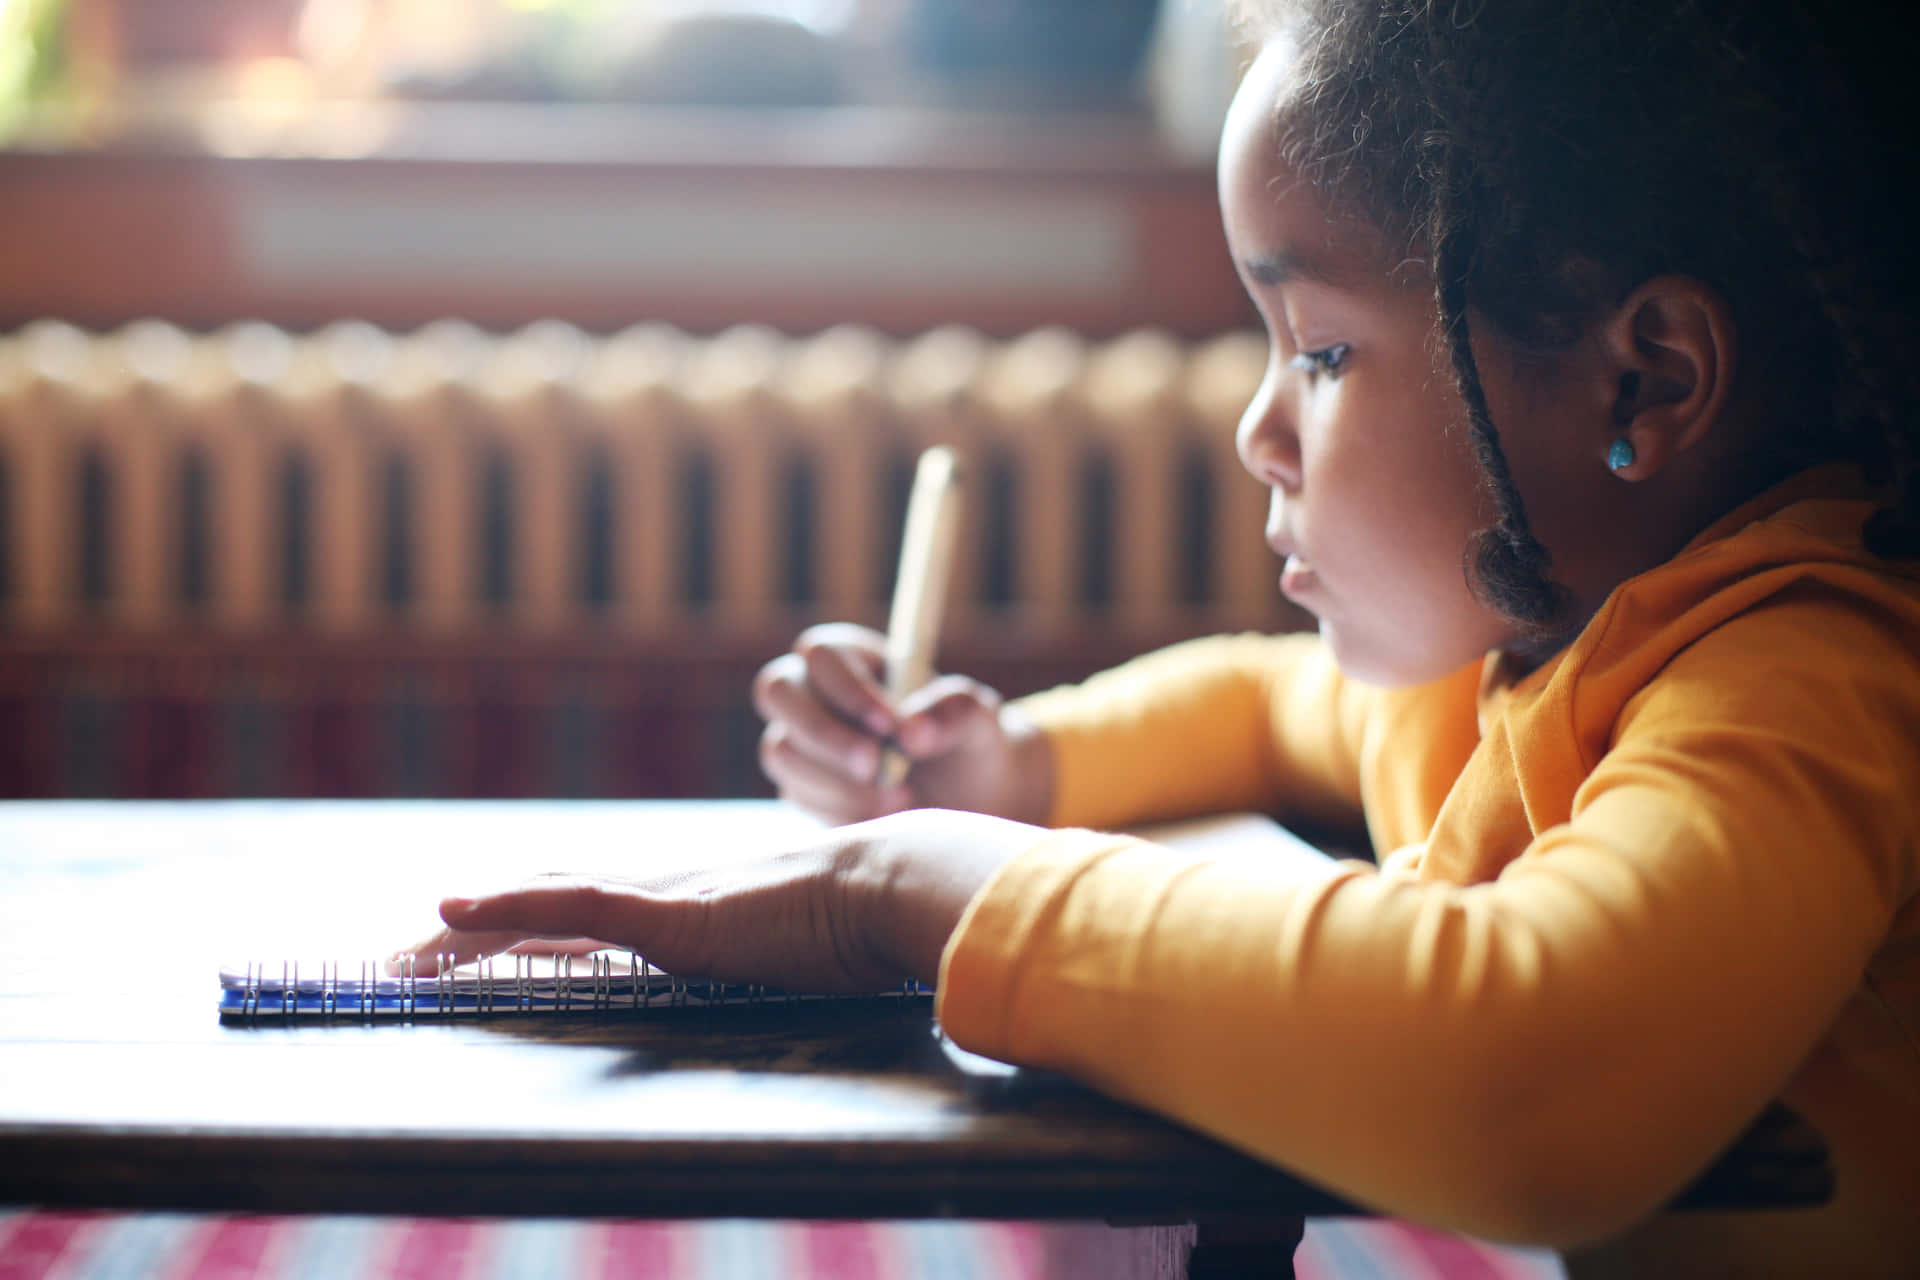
{"x": 480, "y": 991}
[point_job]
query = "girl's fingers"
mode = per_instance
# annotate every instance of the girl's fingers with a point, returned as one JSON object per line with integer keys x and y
{"x": 560, "y": 947}
{"x": 806, "y": 724}
{"x": 553, "y": 907}
{"x": 810, "y": 917}
{"x": 563, "y": 914}
{"x": 845, "y": 674}
{"x": 838, "y": 665}
{"x": 451, "y": 946}
{"x": 768, "y": 921}
{"x": 946, "y": 713}
{"x": 828, "y": 723}
{"x": 863, "y": 649}
{"x": 823, "y": 790}
{"x": 789, "y": 761}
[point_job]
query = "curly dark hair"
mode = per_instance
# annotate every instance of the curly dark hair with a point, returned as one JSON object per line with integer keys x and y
{"x": 1542, "y": 158}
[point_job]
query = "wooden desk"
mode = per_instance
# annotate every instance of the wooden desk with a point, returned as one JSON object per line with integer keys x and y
{"x": 124, "y": 1089}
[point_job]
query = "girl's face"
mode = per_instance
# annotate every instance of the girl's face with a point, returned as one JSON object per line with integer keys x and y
{"x": 1356, "y": 431}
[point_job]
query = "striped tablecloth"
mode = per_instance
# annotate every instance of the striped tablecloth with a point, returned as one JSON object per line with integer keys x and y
{"x": 39, "y": 1244}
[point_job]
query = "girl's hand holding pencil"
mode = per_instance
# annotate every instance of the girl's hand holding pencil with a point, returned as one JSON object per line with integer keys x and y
{"x": 857, "y": 723}
{"x": 830, "y": 720}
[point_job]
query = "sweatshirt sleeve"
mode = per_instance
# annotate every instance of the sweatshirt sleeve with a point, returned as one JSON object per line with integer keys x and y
{"x": 1211, "y": 725}
{"x": 1546, "y": 1056}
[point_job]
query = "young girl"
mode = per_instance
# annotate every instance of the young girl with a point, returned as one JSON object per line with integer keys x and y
{"x": 1588, "y": 436}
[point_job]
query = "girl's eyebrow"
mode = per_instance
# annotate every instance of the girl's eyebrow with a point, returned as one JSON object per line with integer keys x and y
{"x": 1288, "y": 264}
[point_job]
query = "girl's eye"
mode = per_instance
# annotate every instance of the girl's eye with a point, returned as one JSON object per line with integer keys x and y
{"x": 1328, "y": 360}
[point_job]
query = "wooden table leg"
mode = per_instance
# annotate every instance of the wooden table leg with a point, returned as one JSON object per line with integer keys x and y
{"x": 1230, "y": 1248}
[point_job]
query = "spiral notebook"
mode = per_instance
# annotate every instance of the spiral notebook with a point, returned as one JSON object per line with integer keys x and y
{"x": 615, "y": 981}
{"x": 602, "y": 982}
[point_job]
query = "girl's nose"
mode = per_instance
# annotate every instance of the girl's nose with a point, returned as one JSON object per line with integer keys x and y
{"x": 1268, "y": 445}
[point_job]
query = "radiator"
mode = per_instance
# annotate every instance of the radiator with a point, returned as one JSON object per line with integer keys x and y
{"x": 449, "y": 482}
{"x": 452, "y": 563}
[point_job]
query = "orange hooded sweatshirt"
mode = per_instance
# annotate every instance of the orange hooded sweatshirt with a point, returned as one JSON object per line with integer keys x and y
{"x": 1623, "y": 902}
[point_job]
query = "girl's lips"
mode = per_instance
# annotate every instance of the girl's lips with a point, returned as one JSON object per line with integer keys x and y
{"x": 1297, "y": 578}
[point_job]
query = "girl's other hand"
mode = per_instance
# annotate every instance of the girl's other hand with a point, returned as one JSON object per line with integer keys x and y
{"x": 829, "y": 721}
{"x": 857, "y": 910}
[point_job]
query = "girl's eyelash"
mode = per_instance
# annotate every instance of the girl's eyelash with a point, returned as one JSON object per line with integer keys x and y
{"x": 1328, "y": 360}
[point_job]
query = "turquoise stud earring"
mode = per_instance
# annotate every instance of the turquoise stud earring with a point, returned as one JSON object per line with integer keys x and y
{"x": 1620, "y": 456}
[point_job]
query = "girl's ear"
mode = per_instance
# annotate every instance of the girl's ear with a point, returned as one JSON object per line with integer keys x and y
{"x": 1670, "y": 348}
